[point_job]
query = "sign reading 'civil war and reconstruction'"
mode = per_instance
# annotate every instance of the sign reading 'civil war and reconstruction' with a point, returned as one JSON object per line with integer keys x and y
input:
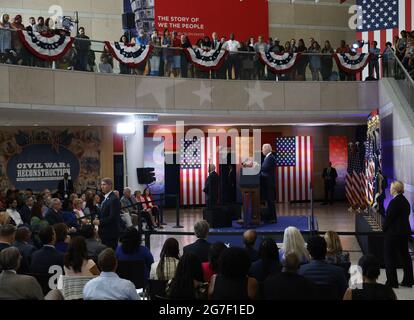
{"x": 38, "y": 158}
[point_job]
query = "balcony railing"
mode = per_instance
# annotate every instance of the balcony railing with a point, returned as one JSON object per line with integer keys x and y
{"x": 172, "y": 62}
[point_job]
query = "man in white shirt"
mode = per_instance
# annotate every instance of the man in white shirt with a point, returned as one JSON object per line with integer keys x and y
{"x": 233, "y": 47}
{"x": 109, "y": 286}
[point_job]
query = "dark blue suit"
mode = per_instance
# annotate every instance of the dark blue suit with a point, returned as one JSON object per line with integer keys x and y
{"x": 268, "y": 184}
{"x": 53, "y": 217}
{"x": 44, "y": 258}
{"x": 109, "y": 227}
{"x": 200, "y": 248}
{"x": 25, "y": 214}
{"x": 320, "y": 272}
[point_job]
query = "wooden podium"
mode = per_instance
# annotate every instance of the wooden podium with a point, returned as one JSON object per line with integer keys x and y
{"x": 250, "y": 190}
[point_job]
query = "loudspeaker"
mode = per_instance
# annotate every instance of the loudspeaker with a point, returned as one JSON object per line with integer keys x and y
{"x": 218, "y": 217}
{"x": 145, "y": 175}
{"x": 128, "y": 20}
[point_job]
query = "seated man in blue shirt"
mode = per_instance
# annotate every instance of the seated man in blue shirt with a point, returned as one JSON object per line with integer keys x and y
{"x": 319, "y": 271}
{"x": 109, "y": 286}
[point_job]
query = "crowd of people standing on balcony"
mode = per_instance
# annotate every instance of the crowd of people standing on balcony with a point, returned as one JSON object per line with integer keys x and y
{"x": 168, "y": 58}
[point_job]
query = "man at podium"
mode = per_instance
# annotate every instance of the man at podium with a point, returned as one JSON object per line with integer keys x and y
{"x": 268, "y": 181}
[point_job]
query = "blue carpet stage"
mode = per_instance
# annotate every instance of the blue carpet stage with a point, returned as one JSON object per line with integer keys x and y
{"x": 303, "y": 223}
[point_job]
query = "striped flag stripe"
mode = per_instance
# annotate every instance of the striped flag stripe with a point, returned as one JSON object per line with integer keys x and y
{"x": 192, "y": 180}
{"x": 293, "y": 182}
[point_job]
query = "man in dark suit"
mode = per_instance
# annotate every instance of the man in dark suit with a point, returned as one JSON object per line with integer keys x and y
{"x": 211, "y": 187}
{"x": 65, "y": 186}
{"x": 109, "y": 222}
{"x": 26, "y": 210}
{"x": 201, "y": 247}
{"x": 16, "y": 286}
{"x": 249, "y": 239}
{"x": 397, "y": 231}
{"x": 320, "y": 272}
{"x": 23, "y": 236}
{"x": 54, "y": 214}
{"x": 329, "y": 176}
{"x": 47, "y": 256}
{"x": 7, "y": 235}
{"x": 268, "y": 181}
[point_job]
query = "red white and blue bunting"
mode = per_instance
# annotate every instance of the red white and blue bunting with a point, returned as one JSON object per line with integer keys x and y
{"x": 206, "y": 60}
{"x": 352, "y": 63}
{"x": 46, "y": 47}
{"x": 279, "y": 63}
{"x": 130, "y": 54}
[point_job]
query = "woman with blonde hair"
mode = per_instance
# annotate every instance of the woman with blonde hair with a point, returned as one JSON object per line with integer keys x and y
{"x": 334, "y": 253}
{"x": 293, "y": 242}
{"x": 4, "y": 218}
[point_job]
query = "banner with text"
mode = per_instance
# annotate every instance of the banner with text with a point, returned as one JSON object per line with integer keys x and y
{"x": 38, "y": 158}
{"x": 244, "y": 18}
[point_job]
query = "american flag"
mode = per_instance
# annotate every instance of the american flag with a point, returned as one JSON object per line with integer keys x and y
{"x": 195, "y": 155}
{"x": 294, "y": 158}
{"x": 382, "y": 20}
{"x": 355, "y": 181}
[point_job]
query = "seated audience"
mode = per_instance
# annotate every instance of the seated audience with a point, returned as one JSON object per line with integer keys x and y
{"x": 249, "y": 239}
{"x": 15, "y": 217}
{"x": 26, "y": 249}
{"x": 370, "y": 290}
{"x": 335, "y": 254}
{"x": 76, "y": 262}
{"x": 169, "y": 258}
{"x": 47, "y": 256}
{"x": 293, "y": 242}
{"x": 268, "y": 262}
{"x": 232, "y": 282}
{"x": 54, "y": 215}
{"x": 149, "y": 206}
{"x": 188, "y": 282}
{"x": 69, "y": 216}
{"x": 93, "y": 245}
{"x": 62, "y": 238}
{"x": 26, "y": 210}
{"x": 7, "y": 236}
{"x": 129, "y": 208}
{"x": 211, "y": 267}
{"x": 131, "y": 249}
{"x": 4, "y": 218}
{"x": 108, "y": 285}
{"x": 15, "y": 286}
{"x": 78, "y": 211}
{"x": 319, "y": 271}
{"x": 37, "y": 220}
{"x": 201, "y": 247}
{"x": 288, "y": 285}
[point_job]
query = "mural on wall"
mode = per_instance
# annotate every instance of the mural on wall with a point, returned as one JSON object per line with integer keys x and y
{"x": 38, "y": 158}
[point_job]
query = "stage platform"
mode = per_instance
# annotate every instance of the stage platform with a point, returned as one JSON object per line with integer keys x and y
{"x": 233, "y": 235}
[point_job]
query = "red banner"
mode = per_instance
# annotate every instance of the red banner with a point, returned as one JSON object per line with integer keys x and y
{"x": 338, "y": 155}
{"x": 244, "y": 18}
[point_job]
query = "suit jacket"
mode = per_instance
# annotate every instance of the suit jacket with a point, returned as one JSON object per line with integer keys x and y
{"x": 268, "y": 172}
{"x": 321, "y": 272}
{"x": 211, "y": 188}
{"x": 26, "y": 250}
{"x": 44, "y": 258}
{"x": 54, "y": 217}
{"x": 25, "y": 214}
{"x": 109, "y": 227}
{"x": 125, "y": 202}
{"x": 19, "y": 287}
{"x": 397, "y": 217}
{"x": 200, "y": 248}
{"x": 69, "y": 187}
{"x": 331, "y": 177}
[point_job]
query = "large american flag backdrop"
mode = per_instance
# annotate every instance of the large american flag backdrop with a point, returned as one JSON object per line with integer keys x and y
{"x": 294, "y": 160}
{"x": 195, "y": 155}
{"x": 382, "y": 20}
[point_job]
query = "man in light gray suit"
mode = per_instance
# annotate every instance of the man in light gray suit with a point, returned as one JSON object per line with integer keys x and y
{"x": 15, "y": 286}
{"x": 129, "y": 209}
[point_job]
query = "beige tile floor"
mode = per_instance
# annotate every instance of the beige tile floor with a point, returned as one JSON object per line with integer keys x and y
{"x": 336, "y": 218}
